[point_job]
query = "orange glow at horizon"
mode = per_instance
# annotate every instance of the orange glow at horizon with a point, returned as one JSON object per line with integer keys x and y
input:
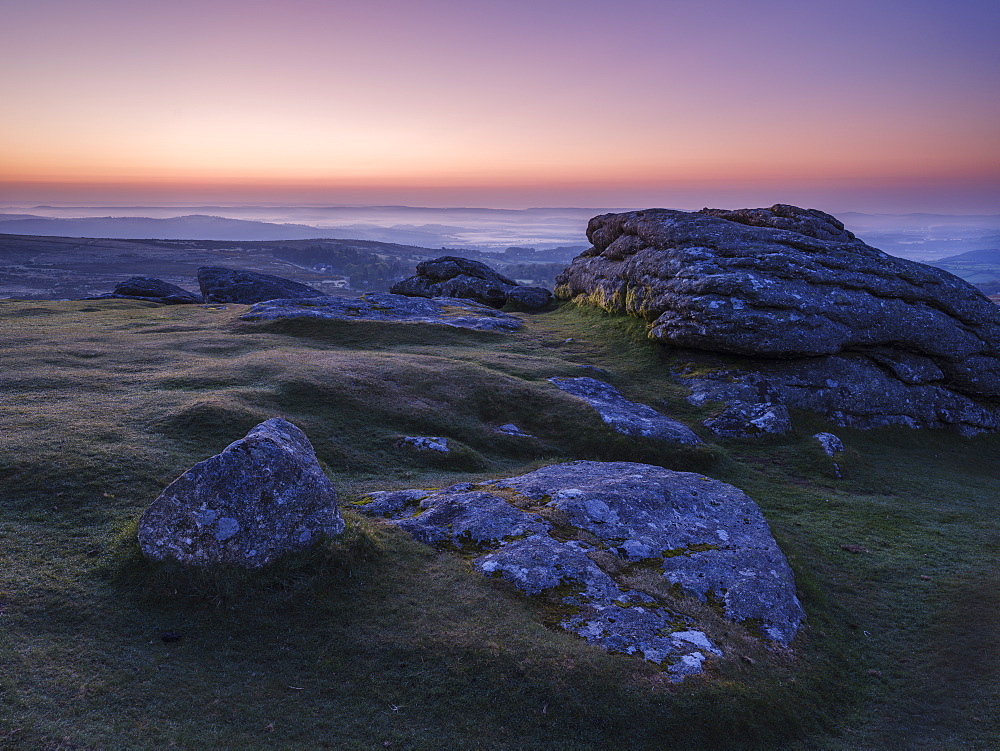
{"x": 448, "y": 94}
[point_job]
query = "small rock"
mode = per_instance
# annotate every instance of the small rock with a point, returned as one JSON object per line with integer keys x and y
{"x": 512, "y": 429}
{"x": 625, "y": 417}
{"x": 425, "y": 443}
{"x": 706, "y": 538}
{"x": 925, "y": 577}
{"x": 830, "y": 443}
{"x": 529, "y": 298}
{"x": 741, "y": 420}
{"x": 263, "y": 496}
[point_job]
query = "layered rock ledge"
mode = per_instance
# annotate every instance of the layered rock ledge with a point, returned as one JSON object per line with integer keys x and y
{"x": 795, "y": 290}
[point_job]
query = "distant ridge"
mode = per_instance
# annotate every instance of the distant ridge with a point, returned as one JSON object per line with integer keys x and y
{"x": 986, "y": 255}
{"x": 191, "y": 227}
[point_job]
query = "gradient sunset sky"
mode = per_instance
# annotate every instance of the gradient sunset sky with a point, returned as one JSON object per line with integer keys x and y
{"x": 883, "y": 105}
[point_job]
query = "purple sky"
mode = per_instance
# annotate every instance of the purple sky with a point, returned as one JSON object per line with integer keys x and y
{"x": 871, "y": 106}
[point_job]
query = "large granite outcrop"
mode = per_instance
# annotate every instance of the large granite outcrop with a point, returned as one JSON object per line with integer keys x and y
{"x": 385, "y": 306}
{"x": 450, "y": 276}
{"x": 263, "y": 496}
{"x": 579, "y": 532}
{"x": 796, "y": 291}
{"x": 221, "y": 284}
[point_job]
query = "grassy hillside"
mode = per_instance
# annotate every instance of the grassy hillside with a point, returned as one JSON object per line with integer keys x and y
{"x": 375, "y": 641}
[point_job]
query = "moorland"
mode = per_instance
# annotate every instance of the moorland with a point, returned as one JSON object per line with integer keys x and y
{"x": 375, "y": 641}
{"x": 34, "y": 267}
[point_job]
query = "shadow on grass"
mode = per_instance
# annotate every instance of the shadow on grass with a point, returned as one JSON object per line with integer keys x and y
{"x": 322, "y": 568}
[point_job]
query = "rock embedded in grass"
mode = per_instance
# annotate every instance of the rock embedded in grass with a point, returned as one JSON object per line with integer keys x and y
{"x": 741, "y": 420}
{"x": 512, "y": 429}
{"x": 830, "y": 443}
{"x": 578, "y": 532}
{"x": 261, "y": 497}
{"x": 384, "y": 306}
{"x": 624, "y": 416}
{"x": 425, "y": 443}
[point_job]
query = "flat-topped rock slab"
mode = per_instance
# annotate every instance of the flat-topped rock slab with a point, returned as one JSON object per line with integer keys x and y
{"x": 385, "y": 306}
{"x": 577, "y": 532}
{"x": 624, "y": 416}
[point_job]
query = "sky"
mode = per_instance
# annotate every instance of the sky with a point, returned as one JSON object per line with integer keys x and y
{"x": 882, "y": 105}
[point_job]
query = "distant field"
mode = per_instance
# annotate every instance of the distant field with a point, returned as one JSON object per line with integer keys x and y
{"x": 376, "y": 641}
{"x": 71, "y": 268}
{"x": 980, "y": 267}
{"x": 47, "y": 268}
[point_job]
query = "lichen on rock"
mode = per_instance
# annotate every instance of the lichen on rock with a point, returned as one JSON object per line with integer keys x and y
{"x": 384, "y": 306}
{"x": 795, "y": 291}
{"x": 615, "y": 515}
{"x": 624, "y": 416}
{"x": 261, "y": 497}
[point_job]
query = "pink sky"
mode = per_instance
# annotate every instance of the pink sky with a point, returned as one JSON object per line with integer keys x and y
{"x": 877, "y": 106}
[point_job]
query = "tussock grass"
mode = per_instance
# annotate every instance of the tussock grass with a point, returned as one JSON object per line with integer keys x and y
{"x": 373, "y": 638}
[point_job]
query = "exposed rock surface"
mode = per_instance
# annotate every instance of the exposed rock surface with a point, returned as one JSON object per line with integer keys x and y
{"x": 849, "y": 389}
{"x": 831, "y": 446}
{"x": 263, "y": 496}
{"x": 830, "y": 443}
{"x": 794, "y": 287}
{"x": 512, "y": 429}
{"x": 384, "y": 306}
{"x": 578, "y": 532}
{"x": 742, "y": 420}
{"x": 450, "y": 276}
{"x": 220, "y": 284}
{"x": 426, "y": 443}
{"x": 153, "y": 290}
{"x": 628, "y": 418}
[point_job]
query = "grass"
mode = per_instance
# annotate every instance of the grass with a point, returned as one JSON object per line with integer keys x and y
{"x": 374, "y": 639}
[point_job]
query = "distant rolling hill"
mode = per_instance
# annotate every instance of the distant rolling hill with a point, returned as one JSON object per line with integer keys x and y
{"x": 987, "y": 255}
{"x": 194, "y": 226}
{"x": 34, "y": 267}
{"x": 981, "y": 267}
{"x": 46, "y": 268}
